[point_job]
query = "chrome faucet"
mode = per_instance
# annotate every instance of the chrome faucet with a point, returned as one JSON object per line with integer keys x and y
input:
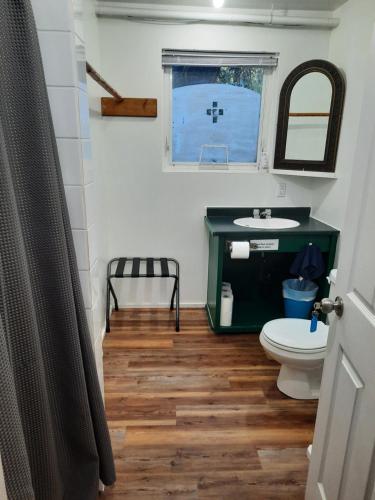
{"x": 266, "y": 214}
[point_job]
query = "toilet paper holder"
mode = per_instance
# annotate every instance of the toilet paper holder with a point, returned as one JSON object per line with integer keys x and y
{"x": 228, "y": 245}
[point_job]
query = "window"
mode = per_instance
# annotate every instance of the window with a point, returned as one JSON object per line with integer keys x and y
{"x": 216, "y": 110}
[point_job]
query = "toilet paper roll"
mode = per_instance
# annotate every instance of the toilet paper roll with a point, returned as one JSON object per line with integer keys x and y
{"x": 226, "y": 284}
{"x": 240, "y": 250}
{"x": 226, "y": 309}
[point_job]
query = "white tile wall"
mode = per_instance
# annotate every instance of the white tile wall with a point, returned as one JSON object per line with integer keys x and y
{"x": 98, "y": 349}
{"x": 65, "y": 112}
{"x": 80, "y": 63}
{"x": 94, "y": 281}
{"x": 76, "y": 205}
{"x": 60, "y": 32}
{"x": 59, "y": 67}
{"x": 81, "y": 245}
{"x": 86, "y": 288}
{"x": 90, "y": 286}
{"x": 84, "y": 115}
{"x": 78, "y": 18}
{"x": 3, "y": 493}
{"x": 87, "y": 162}
{"x": 90, "y": 320}
{"x": 90, "y": 198}
{"x": 98, "y": 321}
{"x": 54, "y": 15}
{"x": 92, "y": 244}
{"x": 71, "y": 161}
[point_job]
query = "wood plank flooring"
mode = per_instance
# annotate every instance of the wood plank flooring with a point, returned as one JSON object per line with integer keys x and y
{"x": 194, "y": 415}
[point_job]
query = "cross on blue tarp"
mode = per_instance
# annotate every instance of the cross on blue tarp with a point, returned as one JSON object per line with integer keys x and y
{"x": 215, "y": 111}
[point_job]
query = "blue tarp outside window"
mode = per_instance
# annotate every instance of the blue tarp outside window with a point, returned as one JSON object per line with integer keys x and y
{"x": 216, "y": 114}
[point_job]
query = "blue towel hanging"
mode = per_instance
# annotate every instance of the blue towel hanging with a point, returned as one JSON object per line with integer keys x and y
{"x": 309, "y": 263}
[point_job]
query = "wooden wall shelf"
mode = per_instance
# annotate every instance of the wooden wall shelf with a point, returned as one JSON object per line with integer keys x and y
{"x": 122, "y": 106}
{"x": 129, "y": 106}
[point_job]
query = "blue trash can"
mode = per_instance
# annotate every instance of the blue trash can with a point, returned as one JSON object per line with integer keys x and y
{"x": 299, "y": 297}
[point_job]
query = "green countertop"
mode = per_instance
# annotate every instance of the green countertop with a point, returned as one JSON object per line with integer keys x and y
{"x": 219, "y": 221}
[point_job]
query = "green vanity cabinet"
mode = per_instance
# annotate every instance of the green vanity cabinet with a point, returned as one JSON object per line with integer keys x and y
{"x": 257, "y": 281}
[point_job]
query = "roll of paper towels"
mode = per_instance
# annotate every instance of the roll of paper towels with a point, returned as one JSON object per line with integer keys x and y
{"x": 226, "y": 309}
{"x": 240, "y": 250}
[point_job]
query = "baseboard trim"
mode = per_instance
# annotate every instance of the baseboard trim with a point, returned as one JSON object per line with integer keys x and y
{"x": 185, "y": 305}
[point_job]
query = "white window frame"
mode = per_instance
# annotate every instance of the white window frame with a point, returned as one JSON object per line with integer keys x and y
{"x": 265, "y": 138}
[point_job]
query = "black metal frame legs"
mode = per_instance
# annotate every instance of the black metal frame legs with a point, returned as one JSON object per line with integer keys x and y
{"x": 149, "y": 274}
{"x": 176, "y": 294}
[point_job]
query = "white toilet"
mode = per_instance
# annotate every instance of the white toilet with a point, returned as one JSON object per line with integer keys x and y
{"x": 300, "y": 352}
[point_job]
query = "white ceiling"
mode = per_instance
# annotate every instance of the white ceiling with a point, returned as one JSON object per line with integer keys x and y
{"x": 323, "y": 5}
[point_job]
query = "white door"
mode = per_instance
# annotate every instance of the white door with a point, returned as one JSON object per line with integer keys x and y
{"x": 343, "y": 455}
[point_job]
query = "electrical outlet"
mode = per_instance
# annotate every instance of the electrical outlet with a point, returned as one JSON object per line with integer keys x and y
{"x": 281, "y": 190}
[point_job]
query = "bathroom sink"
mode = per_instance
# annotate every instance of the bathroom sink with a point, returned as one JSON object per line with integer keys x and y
{"x": 273, "y": 223}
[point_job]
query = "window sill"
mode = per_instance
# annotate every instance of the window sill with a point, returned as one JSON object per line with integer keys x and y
{"x": 305, "y": 173}
{"x": 195, "y": 169}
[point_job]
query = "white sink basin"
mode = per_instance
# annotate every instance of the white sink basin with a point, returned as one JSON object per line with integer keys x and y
{"x": 273, "y": 223}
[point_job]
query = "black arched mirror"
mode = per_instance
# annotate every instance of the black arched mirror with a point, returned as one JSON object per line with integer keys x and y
{"x": 309, "y": 120}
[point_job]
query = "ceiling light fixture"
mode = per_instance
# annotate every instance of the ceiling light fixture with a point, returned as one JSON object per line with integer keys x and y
{"x": 218, "y": 3}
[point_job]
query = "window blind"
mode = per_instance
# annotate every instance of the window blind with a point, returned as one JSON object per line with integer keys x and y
{"x": 172, "y": 57}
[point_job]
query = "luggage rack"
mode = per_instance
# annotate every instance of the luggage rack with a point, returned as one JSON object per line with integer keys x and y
{"x": 150, "y": 273}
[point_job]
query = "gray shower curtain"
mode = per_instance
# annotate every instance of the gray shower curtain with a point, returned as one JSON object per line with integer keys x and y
{"x": 54, "y": 441}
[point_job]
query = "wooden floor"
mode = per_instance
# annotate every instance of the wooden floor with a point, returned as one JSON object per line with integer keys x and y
{"x": 194, "y": 415}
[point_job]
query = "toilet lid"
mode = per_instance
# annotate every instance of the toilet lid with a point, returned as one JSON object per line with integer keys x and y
{"x": 294, "y": 334}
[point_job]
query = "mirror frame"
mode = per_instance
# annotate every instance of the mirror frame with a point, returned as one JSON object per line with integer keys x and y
{"x": 334, "y": 124}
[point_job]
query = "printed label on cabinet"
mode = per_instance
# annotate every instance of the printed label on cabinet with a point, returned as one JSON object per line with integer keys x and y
{"x": 264, "y": 245}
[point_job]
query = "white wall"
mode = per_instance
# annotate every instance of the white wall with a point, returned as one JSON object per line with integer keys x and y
{"x": 349, "y": 50}
{"x": 157, "y": 213}
{"x": 133, "y": 207}
{"x": 120, "y": 200}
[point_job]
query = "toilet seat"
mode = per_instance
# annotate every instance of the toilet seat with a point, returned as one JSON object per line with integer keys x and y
{"x": 293, "y": 335}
